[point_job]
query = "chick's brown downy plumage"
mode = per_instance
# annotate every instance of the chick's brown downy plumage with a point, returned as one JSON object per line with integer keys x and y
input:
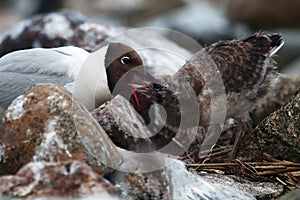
{"x": 247, "y": 70}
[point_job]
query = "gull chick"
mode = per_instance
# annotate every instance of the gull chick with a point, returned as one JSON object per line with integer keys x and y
{"x": 247, "y": 70}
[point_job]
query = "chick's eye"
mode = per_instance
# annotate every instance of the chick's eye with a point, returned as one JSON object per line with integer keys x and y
{"x": 125, "y": 60}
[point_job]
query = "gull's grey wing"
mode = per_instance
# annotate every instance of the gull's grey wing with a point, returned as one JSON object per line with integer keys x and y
{"x": 13, "y": 84}
{"x": 56, "y": 61}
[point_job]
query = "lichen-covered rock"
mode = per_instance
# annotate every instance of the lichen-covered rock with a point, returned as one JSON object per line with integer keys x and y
{"x": 277, "y": 135}
{"x": 55, "y": 180}
{"x": 46, "y": 123}
{"x": 55, "y": 29}
{"x": 50, "y": 30}
{"x": 124, "y": 125}
{"x": 152, "y": 185}
{"x": 281, "y": 91}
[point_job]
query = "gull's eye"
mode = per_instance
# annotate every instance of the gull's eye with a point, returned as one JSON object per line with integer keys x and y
{"x": 125, "y": 60}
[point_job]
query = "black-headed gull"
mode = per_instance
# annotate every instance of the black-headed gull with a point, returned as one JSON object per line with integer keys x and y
{"x": 91, "y": 77}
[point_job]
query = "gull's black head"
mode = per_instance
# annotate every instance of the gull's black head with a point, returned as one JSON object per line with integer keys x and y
{"x": 122, "y": 61}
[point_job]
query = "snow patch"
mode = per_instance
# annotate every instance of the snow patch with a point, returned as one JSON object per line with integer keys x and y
{"x": 57, "y": 26}
{"x": 52, "y": 144}
{"x": 17, "y": 108}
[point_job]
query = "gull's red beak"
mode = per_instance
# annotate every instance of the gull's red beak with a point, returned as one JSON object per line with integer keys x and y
{"x": 136, "y": 81}
{"x": 132, "y": 88}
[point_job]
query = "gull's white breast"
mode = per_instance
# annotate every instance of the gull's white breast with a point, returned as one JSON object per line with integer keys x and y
{"x": 86, "y": 69}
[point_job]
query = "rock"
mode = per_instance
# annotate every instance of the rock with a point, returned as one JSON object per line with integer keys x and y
{"x": 128, "y": 134}
{"x": 260, "y": 190}
{"x": 46, "y": 123}
{"x": 281, "y": 91}
{"x": 58, "y": 180}
{"x": 277, "y": 135}
{"x": 175, "y": 182}
{"x": 264, "y": 13}
{"x": 71, "y": 29}
{"x": 153, "y": 185}
{"x": 50, "y": 30}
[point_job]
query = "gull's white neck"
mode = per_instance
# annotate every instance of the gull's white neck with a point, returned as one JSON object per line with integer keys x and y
{"x": 90, "y": 86}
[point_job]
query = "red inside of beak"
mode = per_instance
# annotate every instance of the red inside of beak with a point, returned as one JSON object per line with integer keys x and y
{"x": 132, "y": 88}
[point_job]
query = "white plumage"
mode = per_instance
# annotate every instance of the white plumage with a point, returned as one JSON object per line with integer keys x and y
{"x": 61, "y": 61}
{"x": 83, "y": 73}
